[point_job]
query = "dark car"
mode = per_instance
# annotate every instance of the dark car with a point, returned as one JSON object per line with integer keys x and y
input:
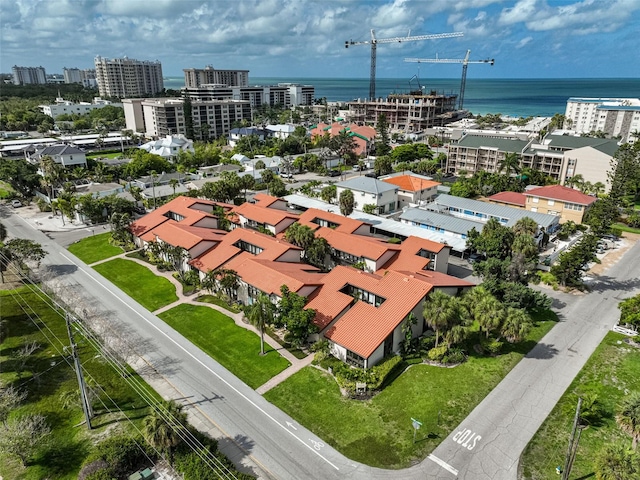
{"x": 371, "y": 175}
{"x": 333, "y": 173}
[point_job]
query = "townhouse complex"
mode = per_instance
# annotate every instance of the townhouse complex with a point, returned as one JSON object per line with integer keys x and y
{"x": 559, "y": 156}
{"x": 360, "y": 311}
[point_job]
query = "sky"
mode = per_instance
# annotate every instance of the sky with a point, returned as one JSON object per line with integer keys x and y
{"x": 305, "y": 38}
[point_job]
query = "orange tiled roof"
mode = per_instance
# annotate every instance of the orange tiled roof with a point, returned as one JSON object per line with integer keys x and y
{"x": 264, "y": 200}
{"x": 192, "y": 209}
{"x": 438, "y": 279}
{"x": 562, "y": 193}
{"x": 268, "y": 276}
{"x": 364, "y": 327}
{"x": 270, "y": 216}
{"x": 513, "y": 198}
{"x": 409, "y": 183}
{"x": 345, "y": 224}
{"x": 408, "y": 258}
{"x": 272, "y": 248}
{"x": 358, "y": 245}
{"x": 184, "y": 236}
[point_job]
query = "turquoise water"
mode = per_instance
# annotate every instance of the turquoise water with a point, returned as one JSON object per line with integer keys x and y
{"x": 517, "y": 97}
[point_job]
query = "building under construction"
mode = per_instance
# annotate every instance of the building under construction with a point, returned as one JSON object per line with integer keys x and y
{"x": 408, "y": 112}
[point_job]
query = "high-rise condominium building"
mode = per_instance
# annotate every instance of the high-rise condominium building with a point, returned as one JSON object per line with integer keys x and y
{"x": 194, "y": 77}
{"x": 616, "y": 117}
{"x": 86, "y": 78}
{"x": 29, "y": 75}
{"x": 126, "y": 77}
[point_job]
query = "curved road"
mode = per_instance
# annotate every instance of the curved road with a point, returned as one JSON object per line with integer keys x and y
{"x": 270, "y": 444}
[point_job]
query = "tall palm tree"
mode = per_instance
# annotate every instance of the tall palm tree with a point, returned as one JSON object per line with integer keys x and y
{"x": 174, "y": 183}
{"x": 510, "y": 164}
{"x": 439, "y": 312}
{"x": 489, "y": 313}
{"x": 260, "y": 315}
{"x": 516, "y": 325}
{"x": 628, "y": 417}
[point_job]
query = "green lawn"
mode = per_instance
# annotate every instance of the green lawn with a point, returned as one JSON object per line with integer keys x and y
{"x": 104, "y": 155}
{"x": 6, "y": 191}
{"x": 140, "y": 283}
{"x": 95, "y": 248}
{"x": 378, "y": 432}
{"x": 235, "y": 348}
{"x": 212, "y": 299}
{"x": 626, "y": 228}
{"x": 46, "y": 377}
{"x": 613, "y": 369}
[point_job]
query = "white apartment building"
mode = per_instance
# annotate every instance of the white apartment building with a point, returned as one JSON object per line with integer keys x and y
{"x": 286, "y": 95}
{"x": 126, "y": 77}
{"x": 29, "y": 75}
{"x": 65, "y": 107}
{"x": 370, "y": 191}
{"x": 616, "y": 117}
{"x": 159, "y": 117}
{"x": 195, "y": 77}
{"x": 86, "y": 77}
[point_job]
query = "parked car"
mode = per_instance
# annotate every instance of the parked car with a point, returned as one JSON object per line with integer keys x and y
{"x": 333, "y": 173}
{"x": 371, "y": 175}
{"x": 16, "y": 203}
{"x": 286, "y": 175}
{"x": 475, "y": 257}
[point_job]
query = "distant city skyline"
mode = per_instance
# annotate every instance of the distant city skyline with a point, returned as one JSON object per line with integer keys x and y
{"x": 305, "y": 38}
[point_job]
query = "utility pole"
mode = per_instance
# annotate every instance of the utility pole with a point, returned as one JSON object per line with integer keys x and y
{"x": 86, "y": 404}
{"x": 573, "y": 444}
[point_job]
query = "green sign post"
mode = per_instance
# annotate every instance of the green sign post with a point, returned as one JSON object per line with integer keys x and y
{"x": 416, "y": 426}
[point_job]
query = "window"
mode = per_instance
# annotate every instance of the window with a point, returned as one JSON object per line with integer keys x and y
{"x": 534, "y": 209}
{"x": 535, "y": 199}
{"x": 355, "y": 359}
{"x": 551, "y": 203}
{"x": 248, "y": 247}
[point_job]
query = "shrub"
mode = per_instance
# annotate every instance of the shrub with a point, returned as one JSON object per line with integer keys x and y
{"x": 394, "y": 241}
{"x": 455, "y": 355}
{"x": 427, "y": 343}
{"x": 121, "y": 453}
{"x": 383, "y": 370}
{"x": 492, "y": 346}
{"x": 548, "y": 278}
{"x": 437, "y": 353}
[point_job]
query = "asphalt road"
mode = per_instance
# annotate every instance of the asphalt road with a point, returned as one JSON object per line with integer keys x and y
{"x": 268, "y": 443}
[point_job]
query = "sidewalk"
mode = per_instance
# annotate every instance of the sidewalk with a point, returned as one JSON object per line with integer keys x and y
{"x": 238, "y": 318}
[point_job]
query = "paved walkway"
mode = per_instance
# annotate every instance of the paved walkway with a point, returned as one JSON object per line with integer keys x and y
{"x": 239, "y": 319}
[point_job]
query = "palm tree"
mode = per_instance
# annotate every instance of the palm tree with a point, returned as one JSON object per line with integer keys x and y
{"x": 260, "y": 315}
{"x": 489, "y": 313}
{"x": 516, "y": 325}
{"x": 616, "y": 462}
{"x": 509, "y": 164}
{"x": 628, "y": 417}
{"x": 161, "y": 428}
{"x": 439, "y": 312}
{"x": 174, "y": 183}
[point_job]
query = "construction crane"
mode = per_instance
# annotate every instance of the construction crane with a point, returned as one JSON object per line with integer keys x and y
{"x": 464, "y": 61}
{"x": 374, "y": 45}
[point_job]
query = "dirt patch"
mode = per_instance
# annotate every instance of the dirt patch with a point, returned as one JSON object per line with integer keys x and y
{"x": 614, "y": 255}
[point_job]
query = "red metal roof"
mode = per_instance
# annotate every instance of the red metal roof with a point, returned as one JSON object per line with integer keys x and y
{"x": 512, "y": 198}
{"x": 410, "y": 183}
{"x": 562, "y": 193}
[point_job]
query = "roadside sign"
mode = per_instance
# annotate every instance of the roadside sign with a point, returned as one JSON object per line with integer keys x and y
{"x": 416, "y": 424}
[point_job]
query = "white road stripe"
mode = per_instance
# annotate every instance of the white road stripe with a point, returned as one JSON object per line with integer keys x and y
{"x": 443, "y": 464}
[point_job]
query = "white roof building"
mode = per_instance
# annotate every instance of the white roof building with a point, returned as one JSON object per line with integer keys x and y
{"x": 169, "y": 147}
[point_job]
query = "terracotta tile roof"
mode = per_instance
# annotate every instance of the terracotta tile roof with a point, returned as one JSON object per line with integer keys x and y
{"x": 272, "y": 248}
{"x": 438, "y": 279}
{"x": 360, "y": 245}
{"x": 513, "y": 198}
{"x": 268, "y": 276}
{"x": 364, "y": 327}
{"x": 409, "y": 183}
{"x": 562, "y": 193}
{"x": 264, "y": 200}
{"x": 183, "y": 236}
{"x": 345, "y": 224}
{"x": 192, "y": 209}
{"x": 270, "y": 216}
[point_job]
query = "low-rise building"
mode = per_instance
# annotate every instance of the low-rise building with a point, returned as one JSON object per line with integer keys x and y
{"x": 169, "y": 147}
{"x": 413, "y": 189}
{"x": 508, "y": 199}
{"x": 568, "y": 203}
{"x": 65, "y": 155}
{"x": 363, "y": 136}
{"x": 370, "y": 191}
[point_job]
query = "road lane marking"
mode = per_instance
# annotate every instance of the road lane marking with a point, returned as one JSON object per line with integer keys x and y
{"x": 467, "y": 438}
{"x": 443, "y": 464}
{"x": 266, "y": 414}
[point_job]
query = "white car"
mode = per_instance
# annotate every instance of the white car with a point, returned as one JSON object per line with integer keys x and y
{"x": 286, "y": 175}
{"x": 16, "y": 203}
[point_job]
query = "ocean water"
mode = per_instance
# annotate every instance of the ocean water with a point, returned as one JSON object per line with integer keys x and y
{"x": 516, "y": 97}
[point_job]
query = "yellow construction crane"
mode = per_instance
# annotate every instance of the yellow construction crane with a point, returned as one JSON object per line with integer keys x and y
{"x": 374, "y": 44}
{"x": 464, "y": 61}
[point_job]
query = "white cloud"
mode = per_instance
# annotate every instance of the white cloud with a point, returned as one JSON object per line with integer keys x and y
{"x": 522, "y": 11}
{"x": 523, "y": 42}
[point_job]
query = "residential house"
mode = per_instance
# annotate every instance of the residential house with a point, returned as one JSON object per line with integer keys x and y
{"x": 169, "y": 147}
{"x": 508, "y": 199}
{"x": 363, "y": 135}
{"x": 370, "y": 191}
{"x": 568, "y": 203}
{"x": 413, "y": 189}
{"x": 65, "y": 155}
{"x": 281, "y": 131}
{"x": 235, "y": 134}
{"x": 273, "y": 220}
